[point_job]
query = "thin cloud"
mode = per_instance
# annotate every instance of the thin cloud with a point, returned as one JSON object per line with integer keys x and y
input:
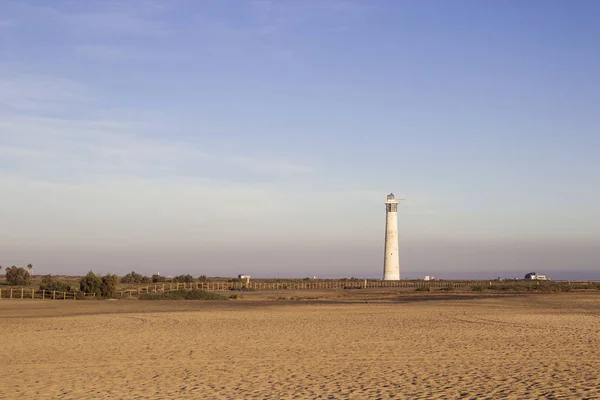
{"x": 269, "y": 166}
{"x": 129, "y": 143}
{"x": 116, "y": 23}
{"x": 38, "y": 93}
{"x": 109, "y": 19}
{"x": 62, "y": 150}
{"x": 266, "y": 25}
{"x": 276, "y": 17}
{"x": 108, "y": 51}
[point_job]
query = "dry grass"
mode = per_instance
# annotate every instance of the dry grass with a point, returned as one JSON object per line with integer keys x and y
{"x": 534, "y": 346}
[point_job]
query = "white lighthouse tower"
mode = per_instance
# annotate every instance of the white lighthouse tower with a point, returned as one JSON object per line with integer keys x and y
{"x": 391, "y": 264}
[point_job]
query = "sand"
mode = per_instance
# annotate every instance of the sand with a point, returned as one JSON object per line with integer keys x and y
{"x": 523, "y": 347}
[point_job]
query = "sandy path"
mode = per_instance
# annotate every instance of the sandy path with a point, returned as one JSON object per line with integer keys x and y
{"x": 528, "y": 347}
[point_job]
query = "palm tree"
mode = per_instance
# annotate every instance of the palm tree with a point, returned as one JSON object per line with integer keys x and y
{"x": 29, "y": 268}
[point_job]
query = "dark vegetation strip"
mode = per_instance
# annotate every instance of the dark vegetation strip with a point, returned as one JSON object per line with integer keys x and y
{"x": 183, "y": 295}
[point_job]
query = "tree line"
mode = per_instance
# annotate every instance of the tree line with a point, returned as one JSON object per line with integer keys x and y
{"x": 100, "y": 285}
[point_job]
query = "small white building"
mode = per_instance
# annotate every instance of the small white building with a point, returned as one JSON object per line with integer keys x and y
{"x": 429, "y": 278}
{"x": 245, "y": 277}
{"x": 534, "y": 276}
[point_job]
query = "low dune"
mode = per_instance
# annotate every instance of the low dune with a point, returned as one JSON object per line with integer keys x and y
{"x": 520, "y": 347}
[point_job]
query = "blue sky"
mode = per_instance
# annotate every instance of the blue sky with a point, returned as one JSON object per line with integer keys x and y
{"x": 261, "y": 137}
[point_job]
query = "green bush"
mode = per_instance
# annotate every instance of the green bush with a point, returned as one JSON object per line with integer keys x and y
{"x": 158, "y": 279}
{"x": 109, "y": 285}
{"x": 183, "y": 295}
{"x": 51, "y": 283}
{"x": 447, "y": 289}
{"x": 184, "y": 279}
{"x": 91, "y": 283}
{"x": 477, "y": 288}
{"x": 135, "y": 278}
{"x": 17, "y": 276}
{"x": 423, "y": 289}
{"x": 504, "y": 288}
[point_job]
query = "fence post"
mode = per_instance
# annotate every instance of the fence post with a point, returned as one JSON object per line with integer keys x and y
{"x": 11, "y": 293}
{"x": 32, "y": 294}
{"x": 22, "y": 292}
{"x": 64, "y": 295}
{"x": 54, "y": 295}
{"x": 0, "y": 293}
{"x": 43, "y": 294}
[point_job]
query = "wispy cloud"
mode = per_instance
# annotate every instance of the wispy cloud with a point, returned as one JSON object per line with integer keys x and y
{"x": 60, "y": 150}
{"x": 35, "y": 93}
{"x": 269, "y": 166}
{"x": 115, "y": 23}
{"x": 274, "y": 25}
{"x": 133, "y": 144}
{"x": 276, "y": 17}
{"x": 105, "y": 18}
{"x": 109, "y": 51}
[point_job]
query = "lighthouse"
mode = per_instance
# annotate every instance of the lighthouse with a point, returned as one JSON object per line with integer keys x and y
{"x": 391, "y": 262}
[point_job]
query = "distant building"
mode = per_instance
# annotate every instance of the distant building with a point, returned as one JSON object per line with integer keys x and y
{"x": 534, "y": 276}
{"x": 429, "y": 278}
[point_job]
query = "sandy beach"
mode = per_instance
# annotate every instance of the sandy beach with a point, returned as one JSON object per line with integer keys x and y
{"x": 514, "y": 347}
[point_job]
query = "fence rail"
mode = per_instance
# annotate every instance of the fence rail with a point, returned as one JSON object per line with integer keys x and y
{"x": 300, "y": 285}
{"x": 28, "y": 293}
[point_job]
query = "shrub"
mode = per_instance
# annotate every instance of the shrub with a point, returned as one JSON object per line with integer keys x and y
{"x": 184, "y": 278}
{"x": 244, "y": 289}
{"x": 423, "y": 289}
{"x": 51, "y": 283}
{"x": 447, "y": 289}
{"x": 158, "y": 279}
{"x": 202, "y": 278}
{"x": 503, "y": 288}
{"x": 183, "y": 295}
{"x": 477, "y": 288}
{"x": 109, "y": 285}
{"x": 17, "y": 276}
{"x": 133, "y": 278}
{"x": 91, "y": 284}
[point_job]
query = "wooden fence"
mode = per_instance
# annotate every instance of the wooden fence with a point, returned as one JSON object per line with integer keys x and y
{"x": 27, "y": 293}
{"x": 301, "y": 285}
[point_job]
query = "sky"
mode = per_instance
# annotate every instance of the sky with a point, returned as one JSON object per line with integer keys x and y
{"x": 222, "y": 137}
